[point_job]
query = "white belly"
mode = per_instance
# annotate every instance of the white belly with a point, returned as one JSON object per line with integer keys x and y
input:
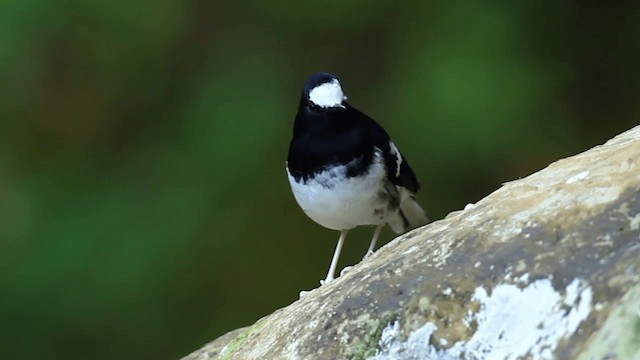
{"x": 341, "y": 203}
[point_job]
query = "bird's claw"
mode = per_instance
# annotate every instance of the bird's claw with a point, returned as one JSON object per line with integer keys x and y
{"x": 303, "y": 293}
{"x": 345, "y": 270}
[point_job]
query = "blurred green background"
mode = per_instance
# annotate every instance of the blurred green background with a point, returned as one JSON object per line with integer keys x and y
{"x": 144, "y": 206}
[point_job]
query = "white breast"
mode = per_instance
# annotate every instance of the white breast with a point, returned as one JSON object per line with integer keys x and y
{"x": 340, "y": 203}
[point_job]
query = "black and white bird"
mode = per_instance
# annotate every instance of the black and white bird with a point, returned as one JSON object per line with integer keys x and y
{"x": 344, "y": 170}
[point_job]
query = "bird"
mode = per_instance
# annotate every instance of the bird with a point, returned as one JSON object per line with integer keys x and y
{"x": 344, "y": 170}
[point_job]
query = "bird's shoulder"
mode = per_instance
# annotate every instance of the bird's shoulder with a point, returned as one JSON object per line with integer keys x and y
{"x": 345, "y": 136}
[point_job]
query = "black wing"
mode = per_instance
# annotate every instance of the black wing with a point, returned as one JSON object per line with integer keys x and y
{"x": 396, "y": 165}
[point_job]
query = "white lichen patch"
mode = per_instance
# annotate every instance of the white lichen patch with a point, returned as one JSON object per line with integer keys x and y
{"x": 634, "y": 224}
{"x": 410, "y": 250}
{"x": 512, "y": 322}
{"x": 580, "y": 176}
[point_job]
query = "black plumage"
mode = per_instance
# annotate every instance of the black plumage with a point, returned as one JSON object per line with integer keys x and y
{"x": 343, "y": 168}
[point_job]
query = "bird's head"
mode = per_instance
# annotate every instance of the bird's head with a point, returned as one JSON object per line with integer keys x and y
{"x": 323, "y": 90}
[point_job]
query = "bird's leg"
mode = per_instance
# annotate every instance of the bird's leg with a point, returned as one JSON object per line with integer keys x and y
{"x": 372, "y": 246}
{"x": 334, "y": 261}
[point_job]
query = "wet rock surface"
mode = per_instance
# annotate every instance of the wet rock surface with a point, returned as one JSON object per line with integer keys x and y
{"x": 546, "y": 267}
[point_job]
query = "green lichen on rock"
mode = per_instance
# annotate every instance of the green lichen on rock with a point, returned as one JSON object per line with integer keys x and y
{"x": 227, "y": 352}
{"x": 620, "y": 334}
{"x": 366, "y": 344}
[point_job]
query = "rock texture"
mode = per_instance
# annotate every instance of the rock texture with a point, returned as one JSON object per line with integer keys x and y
{"x": 546, "y": 267}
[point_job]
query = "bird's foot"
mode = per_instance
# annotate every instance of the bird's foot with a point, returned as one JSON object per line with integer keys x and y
{"x": 345, "y": 270}
{"x": 303, "y": 293}
{"x": 328, "y": 280}
{"x": 369, "y": 253}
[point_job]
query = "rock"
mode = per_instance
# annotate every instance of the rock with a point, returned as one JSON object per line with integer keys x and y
{"x": 546, "y": 267}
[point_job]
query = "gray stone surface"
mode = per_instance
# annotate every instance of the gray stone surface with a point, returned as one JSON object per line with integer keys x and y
{"x": 546, "y": 267}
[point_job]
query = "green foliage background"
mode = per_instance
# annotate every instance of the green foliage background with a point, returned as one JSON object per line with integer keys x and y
{"x": 144, "y": 206}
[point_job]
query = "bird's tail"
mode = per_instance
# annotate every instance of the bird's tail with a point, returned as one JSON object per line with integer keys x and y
{"x": 410, "y": 216}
